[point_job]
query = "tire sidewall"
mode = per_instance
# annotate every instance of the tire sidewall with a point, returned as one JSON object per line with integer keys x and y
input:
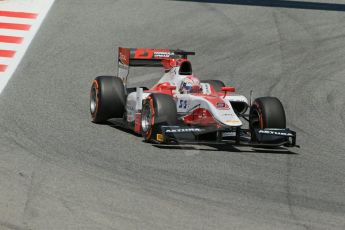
{"x": 95, "y": 87}
{"x": 149, "y": 133}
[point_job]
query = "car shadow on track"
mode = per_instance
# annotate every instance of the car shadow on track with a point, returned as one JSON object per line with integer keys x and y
{"x": 278, "y": 3}
{"x": 116, "y": 125}
{"x": 227, "y": 148}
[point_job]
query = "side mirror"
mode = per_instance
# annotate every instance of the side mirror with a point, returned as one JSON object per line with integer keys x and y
{"x": 228, "y": 89}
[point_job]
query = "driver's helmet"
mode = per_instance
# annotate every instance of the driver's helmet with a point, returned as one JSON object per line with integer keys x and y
{"x": 189, "y": 84}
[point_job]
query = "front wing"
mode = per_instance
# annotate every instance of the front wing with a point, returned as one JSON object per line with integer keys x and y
{"x": 231, "y": 135}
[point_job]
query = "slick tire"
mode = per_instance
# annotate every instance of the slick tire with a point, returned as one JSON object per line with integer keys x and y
{"x": 158, "y": 110}
{"x": 107, "y": 98}
{"x": 216, "y": 84}
{"x": 267, "y": 112}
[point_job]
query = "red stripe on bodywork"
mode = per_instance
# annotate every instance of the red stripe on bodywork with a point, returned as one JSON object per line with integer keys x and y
{"x": 15, "y": 14}
{"x": 3, "y": 68}
{"x": 11, "y": 39}
{"x": 200, "y": 116}
{"x": 7, "y": 53}
{"x": 14, "y": 26}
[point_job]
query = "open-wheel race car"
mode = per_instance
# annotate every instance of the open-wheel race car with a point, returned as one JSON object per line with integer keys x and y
{"x": 182, "y": 109}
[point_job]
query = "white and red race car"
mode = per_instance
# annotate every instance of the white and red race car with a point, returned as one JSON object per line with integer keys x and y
{"x": 182, "y": 109}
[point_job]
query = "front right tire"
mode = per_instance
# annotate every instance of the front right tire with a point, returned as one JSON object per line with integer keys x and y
{"x": 158, "y": 110}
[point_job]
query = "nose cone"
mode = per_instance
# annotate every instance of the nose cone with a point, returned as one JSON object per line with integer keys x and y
{"x": 225, "y": 115}
{"x": 228, "y": 117}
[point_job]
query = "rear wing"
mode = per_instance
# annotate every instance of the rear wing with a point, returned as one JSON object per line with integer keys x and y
{"x": 145, "y": 57}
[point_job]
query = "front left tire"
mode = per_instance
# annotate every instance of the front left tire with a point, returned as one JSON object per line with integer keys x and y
{"x": 267, "y": 112}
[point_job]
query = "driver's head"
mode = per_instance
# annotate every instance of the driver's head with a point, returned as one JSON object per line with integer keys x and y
{"x": 190, "y": 84}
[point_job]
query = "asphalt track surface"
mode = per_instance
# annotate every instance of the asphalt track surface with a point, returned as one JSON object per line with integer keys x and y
{"x": 60, "y": 171}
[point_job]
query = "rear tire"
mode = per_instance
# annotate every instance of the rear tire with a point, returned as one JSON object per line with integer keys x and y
{"x": 216, "y": 84}
{"x": 158, "y": 110}
{"x": 267, "y": 112}
{"x": 107, "y": 98}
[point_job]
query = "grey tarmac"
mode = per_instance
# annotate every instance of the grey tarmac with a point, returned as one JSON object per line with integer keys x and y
{"x": 60, "y": 171}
